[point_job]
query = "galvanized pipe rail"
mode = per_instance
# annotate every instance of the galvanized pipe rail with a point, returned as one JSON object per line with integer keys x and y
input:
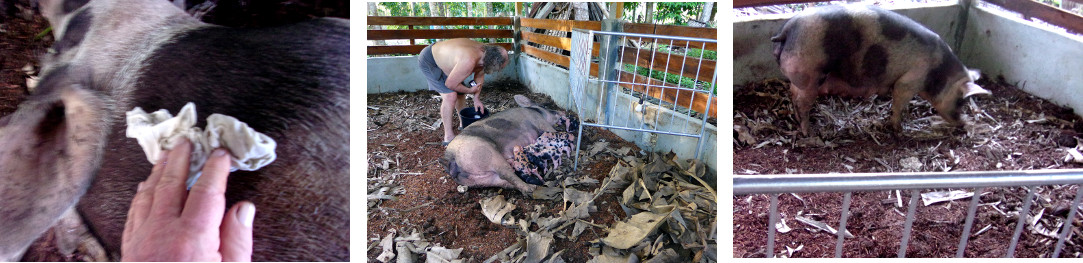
{"x": 848, "y": 183}
{"x": 579, "y": 73}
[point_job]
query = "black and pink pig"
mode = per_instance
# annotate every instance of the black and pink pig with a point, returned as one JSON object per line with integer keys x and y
{"x": 857, "y": 50}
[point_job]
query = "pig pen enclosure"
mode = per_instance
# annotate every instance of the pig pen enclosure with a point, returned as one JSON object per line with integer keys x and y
{"x": 641, "y": 195}
{"x": 1019, "y": 155}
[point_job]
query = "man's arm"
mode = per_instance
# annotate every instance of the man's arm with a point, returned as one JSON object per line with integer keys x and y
{"x": 463, "y": 67}
{"x": 479, "y": 79}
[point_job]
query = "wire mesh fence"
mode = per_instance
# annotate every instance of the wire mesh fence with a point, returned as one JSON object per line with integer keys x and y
{"x": 620, "y": 73}
{"x": 914, "y": 182}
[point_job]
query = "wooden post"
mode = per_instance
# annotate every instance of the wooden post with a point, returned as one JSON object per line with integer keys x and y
{"x": 518, "y": 9}
{"x": 610, "y": 46}
{"x": 411, "y": 27}
{"x": 517, "y": 36}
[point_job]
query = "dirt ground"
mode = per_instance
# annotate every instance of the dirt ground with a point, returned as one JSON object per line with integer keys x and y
{"x": 1010, "y": 130}
{"x": 19, "y": 48}
{"x": 403, "y": 145}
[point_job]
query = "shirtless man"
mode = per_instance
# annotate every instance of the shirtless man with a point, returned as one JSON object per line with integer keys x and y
{"x": 447, "y": 63}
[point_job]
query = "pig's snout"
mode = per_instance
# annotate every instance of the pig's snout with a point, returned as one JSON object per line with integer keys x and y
{"x": 567, "y": 123}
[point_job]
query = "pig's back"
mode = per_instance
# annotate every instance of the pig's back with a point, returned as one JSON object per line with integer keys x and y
{"x": 865, "y": 45}
{"x": 295, "y": 90}
{"x": 508, "y": 128}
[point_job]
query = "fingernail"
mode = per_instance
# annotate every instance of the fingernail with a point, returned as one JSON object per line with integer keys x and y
{"x": 140, "y": 187}
{"x": 218, "y": 152}
{"x": 246, "y": 214}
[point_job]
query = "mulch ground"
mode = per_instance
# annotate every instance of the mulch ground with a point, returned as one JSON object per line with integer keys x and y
{"x": 403, "y": 144}
{"x": 1011, "y": 130}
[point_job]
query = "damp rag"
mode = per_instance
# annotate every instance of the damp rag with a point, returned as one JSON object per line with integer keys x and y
{"x": 158, "y": 131}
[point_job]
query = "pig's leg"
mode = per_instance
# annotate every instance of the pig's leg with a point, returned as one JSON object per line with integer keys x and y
{"x": 484, "y": 166}
{"x": 903, "y": 92}
{"x": 803, "y": 99}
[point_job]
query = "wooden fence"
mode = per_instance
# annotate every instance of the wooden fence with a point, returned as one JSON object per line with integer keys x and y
{"x": 670, "y": 63}
{"x": 412, "y": 32}
{"x": 661, "y": 61}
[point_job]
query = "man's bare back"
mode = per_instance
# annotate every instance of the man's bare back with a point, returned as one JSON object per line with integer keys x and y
{"x": 457, "y": 59}
{"x": 452, "y": 52}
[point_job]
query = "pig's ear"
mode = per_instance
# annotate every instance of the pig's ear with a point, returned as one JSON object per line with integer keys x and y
{"x": 55, "y": 10}
{"x": 974, "y": 74}
{"x": 974, "y": 89}
{"x": 523, "y": 101}
{"x": 50, "y": 149}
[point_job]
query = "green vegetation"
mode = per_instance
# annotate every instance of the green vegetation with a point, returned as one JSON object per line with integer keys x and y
{"x": 670, "y": 78}
{"x": 667, "y": 13}
{"x": 691, "y": 52}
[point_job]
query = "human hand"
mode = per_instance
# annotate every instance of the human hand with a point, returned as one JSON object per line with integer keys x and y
{"x": 478, "y": 107}
{"x": 168, "y": 223}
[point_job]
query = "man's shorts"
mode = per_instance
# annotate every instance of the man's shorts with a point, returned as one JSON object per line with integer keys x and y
{"x": 432, "y": 72}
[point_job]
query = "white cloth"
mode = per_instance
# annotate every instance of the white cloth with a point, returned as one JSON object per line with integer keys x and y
{"x": 158, "y": 131}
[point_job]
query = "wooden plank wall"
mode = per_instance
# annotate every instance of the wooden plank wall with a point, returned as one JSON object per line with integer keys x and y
{"x": 412, "y": 33}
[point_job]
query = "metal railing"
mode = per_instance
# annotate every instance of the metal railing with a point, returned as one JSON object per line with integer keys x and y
{"x": 848, "y": 183}
{"x": 579, "y": 73}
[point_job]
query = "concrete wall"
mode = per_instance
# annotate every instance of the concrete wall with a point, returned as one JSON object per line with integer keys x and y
{"x": 753, "y": 51}
{"x": 390, "y": 74}
{"x": 1048, "y": 62}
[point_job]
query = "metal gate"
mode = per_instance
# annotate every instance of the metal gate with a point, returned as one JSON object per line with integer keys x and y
{"x": 611, "y": 59}
{"x": 848, "y": 183}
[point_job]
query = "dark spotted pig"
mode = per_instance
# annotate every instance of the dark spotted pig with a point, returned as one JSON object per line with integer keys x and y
{"x": 865, "y": 50}
{"x": 491, "y": 152}
{"x": 289, "y": 82}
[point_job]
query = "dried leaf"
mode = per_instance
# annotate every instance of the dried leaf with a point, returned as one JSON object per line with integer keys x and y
{"x": 597, "y": 147}
{"x": 604, "y": 258}
{"x": 537, "y": 246}
{"x": 667, "y": 256}
{"x": 941, "y": 196}
{"x": 821, "y": 225}
{"x": 624, "y": 235}
{"x": 744, "y": 136}
{"x": 546, "y": 193}
{"x": 443, "y": 255}
{"x": 580, "y": 211}
{"x": 576, "y": 197}
{"x": 580, "y": 226}
{"x": 496, "y": 210}
{"x": 388, "y": 246}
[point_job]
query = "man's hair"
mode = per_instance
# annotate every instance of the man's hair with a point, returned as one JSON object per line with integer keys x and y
{"x": 494, "y": 58}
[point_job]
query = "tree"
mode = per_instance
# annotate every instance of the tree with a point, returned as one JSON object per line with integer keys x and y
{"x": 375, "y": 11}
{"x": 581, "y": 11}
{"x": 705, "y": 15}
{"x": 648, "y": 16}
